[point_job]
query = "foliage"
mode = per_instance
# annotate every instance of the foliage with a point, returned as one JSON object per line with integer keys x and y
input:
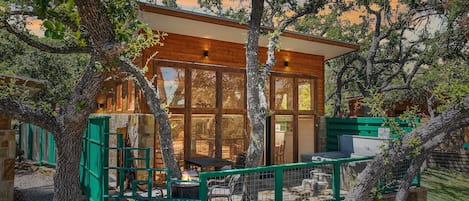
{"x": 399, "y": 42}
{"x": 89, "y": 39}
{"x": 61, "y": 73}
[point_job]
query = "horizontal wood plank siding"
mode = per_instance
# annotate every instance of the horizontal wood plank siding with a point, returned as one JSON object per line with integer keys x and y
{"x": 190, "y": 49}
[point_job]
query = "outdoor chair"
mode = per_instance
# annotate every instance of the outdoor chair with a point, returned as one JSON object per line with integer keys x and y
{"x": 222, "y": 188}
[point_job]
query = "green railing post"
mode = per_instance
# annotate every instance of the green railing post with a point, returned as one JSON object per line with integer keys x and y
{"x": 336, "y": 180}
{"x": 150, "y": 182}
{"x": 168, "y": 179}
{"x": 121, "y": 181}
{"x": 147, "y": 158}
{"x": 278, "y": 184}
{"x": 203, "y": 190}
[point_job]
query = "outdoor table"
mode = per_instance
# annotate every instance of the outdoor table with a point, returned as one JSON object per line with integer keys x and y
{"x": 208, "y": 162}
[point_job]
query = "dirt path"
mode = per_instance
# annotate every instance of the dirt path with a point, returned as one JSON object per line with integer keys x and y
{"x": 33, "y": 183}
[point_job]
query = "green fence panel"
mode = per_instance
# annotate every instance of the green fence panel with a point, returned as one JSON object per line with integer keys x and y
{"x": 93, "y": 175}
{"x": 363, "y": 126}
{"x": 51, "y": 159}
{"x": 29, "y": 134}
{"x": 41, "y": 146}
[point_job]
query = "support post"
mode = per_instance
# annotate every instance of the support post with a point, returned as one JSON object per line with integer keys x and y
{"x": 336, "y": 180}
{"x": 278, "y": 184}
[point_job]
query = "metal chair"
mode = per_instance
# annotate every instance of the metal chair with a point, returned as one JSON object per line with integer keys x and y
{"x": 222, "y": 187}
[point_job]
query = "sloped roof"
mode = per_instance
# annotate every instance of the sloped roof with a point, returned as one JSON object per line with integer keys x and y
{"x": 217, "y": 28}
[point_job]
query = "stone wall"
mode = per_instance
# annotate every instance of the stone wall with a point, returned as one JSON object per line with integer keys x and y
{"x": 7, "y": 164}
{"x": 139, "y": 130}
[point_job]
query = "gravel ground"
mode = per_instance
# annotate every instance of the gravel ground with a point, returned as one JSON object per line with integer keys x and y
{"x": 33, "y": 183}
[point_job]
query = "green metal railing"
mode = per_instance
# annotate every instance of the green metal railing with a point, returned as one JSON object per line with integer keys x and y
{"x": 127, "y": 167}
{"x": 282, "y": 176}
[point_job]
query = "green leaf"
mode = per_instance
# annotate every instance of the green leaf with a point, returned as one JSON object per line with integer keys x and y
{"x": 48, "y": 33}
{"x": 48, "y": 24}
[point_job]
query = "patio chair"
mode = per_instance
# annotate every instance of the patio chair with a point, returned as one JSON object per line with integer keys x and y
{"x": 222, "y": 188}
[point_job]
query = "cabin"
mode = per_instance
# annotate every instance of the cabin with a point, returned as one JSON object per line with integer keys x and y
{"x": 200, "y": 76}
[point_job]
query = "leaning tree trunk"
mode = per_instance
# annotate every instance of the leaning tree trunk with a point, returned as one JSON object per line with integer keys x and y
{"x": 159, "y": 112}
{"x": 66, "y": 178}
{"x": 428, "y": 136}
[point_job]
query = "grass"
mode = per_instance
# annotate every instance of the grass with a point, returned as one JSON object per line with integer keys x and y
{"x": 446, "y": 185}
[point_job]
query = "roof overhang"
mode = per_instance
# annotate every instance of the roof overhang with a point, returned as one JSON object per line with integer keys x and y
{"x": 32, "y": 86}
{"x": 212, "y": 27}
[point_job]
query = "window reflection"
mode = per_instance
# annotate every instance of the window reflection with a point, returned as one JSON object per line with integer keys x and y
{"x": 304, "y": 94}
{"x": 203, "y": 88}
{"x": 203, "y": 135}
{"x": 283, "y": 93}
{"x": 177, "y": 131}
{"x": 170, "y": 85}
{"x": 233, "y": 91}
{"x": 233, "y": 135}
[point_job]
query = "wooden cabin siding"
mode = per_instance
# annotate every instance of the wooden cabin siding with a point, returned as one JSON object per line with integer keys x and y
{"x": 190, "y": 49}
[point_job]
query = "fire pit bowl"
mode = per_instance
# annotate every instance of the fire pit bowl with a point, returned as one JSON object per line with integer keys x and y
{"x": 185, "y": 189}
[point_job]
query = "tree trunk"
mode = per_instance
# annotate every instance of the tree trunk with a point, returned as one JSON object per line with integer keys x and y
{"x": 66, "y": 178}
{"x": 338, "y": 99}
{"x": 256, "y": 112}
{"x": 429, "y": 135}
{"x": 406, "y": 182}
{"x": 159, "y": 112}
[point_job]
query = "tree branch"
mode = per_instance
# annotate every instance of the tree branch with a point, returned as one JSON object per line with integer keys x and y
{"x": 75, "y": 111}
{"x": 26, "y": 113}
{"x": 408, "y": 80}
{"x": 159, "y": 112}
{"x": 451, "y": 119}
{"x": 42, "y": 46}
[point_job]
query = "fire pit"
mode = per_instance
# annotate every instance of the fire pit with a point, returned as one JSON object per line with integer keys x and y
{"x": 185, "y": 189}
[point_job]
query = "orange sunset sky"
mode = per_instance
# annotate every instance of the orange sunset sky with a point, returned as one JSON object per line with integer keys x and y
{"x": 191, "y": 5}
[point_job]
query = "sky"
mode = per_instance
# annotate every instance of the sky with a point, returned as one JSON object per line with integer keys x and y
{"x": 192, "y": 5}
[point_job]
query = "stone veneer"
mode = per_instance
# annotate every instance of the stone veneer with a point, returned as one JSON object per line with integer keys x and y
{"x": 7, "y": 163}
{"x": 140, "y": 129}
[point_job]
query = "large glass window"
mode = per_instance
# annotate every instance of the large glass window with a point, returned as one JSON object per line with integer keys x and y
{"x": 177, "y": 131}
{"x": 283, "y": 93}
{"x": 234, "y": 136}
{"x": 233, "y": 91}
{"x": 304, "y": 94}
{"x": 171, "y": 86}
{"x": 283, "y": 151}
{"x": 203, "y": 135}
{"x": 203, "y": 89}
